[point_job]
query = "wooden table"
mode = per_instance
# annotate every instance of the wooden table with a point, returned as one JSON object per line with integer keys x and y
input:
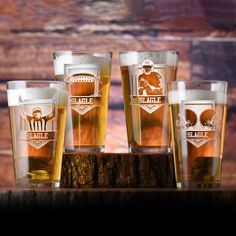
{"x": 117, "y": 199}
{"x": 143, "y": 194}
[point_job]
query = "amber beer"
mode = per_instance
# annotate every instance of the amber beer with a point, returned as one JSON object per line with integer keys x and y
{"x": 144, "y": 79}
{"x": 37, "y": 119}
{"x": 88, "y": 77}
{"x": 198, "y": 126}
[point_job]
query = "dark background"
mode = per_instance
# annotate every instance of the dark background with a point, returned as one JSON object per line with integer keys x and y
{"x": 203, "y": 31}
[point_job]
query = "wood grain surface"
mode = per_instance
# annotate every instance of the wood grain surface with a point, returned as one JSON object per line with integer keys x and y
{"x": 109, "y": 170}
{"x": 204, "y": 33}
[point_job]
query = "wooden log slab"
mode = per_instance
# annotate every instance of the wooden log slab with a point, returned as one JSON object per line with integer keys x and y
{"x": 106, "y": 170}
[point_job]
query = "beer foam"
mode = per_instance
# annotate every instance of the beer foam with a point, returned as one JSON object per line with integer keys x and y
{"x": 99, "y": 59}
{"x": 15, "y": 96}
{"x": 177, "y": 96}
{"x": 59, "y": 61}
{"x": 103, "y": 59}
{"x": 128, "y": 58}
{"x": 168, "y": 58}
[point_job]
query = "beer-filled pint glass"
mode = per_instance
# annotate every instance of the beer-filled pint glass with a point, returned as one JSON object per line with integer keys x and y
{"x": 88, "y": 77}
{"x": 144, "y": 79}
{"x": 198, "y": 117}
{"x": 37, "y": 111}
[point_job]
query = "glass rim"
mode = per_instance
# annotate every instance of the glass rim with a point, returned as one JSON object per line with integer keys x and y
{"x": 80, "y": 52}
{"x": 149, "y": 51}
{"x": 199, "y": 81}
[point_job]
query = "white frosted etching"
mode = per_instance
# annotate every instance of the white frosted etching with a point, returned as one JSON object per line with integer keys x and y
{"x": 197, "y": 121}
{"x": 147, "y": 85}
{"x": 38, "y": 123}
{"x": 84, "y": 86}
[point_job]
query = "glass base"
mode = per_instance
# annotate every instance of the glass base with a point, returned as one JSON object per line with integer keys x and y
{"x": 197, "y": 185}
{"x": 160, "y": 150}
{"x": 38, "y": 184}
{"x": 84, "y": 149}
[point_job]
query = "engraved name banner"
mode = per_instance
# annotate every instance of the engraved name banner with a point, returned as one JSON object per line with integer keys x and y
{"x": 37, "y": 136}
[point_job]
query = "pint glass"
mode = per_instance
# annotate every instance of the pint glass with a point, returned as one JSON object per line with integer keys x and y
{"x": 37, "y": 111}
{"x": 198, "y": 117}
{"x": 144, "y": 81}
{"x": 88, "y": 77}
